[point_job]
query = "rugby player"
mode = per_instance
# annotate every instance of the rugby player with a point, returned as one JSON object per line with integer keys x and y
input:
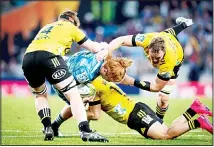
{"x": 85, "y": 67}
{"x": 137, "y": 115}
{"x": 43, "y": 60}
{"x": 165, "y": 53}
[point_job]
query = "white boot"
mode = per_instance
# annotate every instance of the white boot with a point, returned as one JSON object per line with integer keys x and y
{"x": 188, "y": 22}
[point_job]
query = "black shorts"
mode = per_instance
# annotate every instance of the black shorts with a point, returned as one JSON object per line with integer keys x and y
{"x": 141, "y": 118}
{"x": 40, "y": 65}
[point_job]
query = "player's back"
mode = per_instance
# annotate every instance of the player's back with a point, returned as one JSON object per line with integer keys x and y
{"x": 56, "y": 38}
{"x": 113, "y": 100}
{"x": 84, "y": 66}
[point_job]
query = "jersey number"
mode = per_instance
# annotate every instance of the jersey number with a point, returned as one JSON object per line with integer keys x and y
{"x": 47, "y": 30}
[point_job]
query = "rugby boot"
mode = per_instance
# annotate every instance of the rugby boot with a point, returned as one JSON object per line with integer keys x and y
{"x": 57, "y": 133}
{"x": 92, "y": 137}
{"x": 205, "y": 124}
{"x": 200, "y": 108}
{"x": 185, "y": 21}
{"x": 49, "y": 134}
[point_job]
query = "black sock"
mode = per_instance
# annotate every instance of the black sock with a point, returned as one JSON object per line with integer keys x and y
{"x": 84, "y": 127}
{"x": 189, "y": 114}
{"x": 45, "y": 116}
{"x": 58, "y": 121}
{"x": 175, "y": 30}
{"x": 193, "y": 124}
{"x": 160, "y": 112}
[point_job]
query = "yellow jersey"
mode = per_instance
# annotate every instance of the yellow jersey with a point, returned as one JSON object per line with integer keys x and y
{"x": 113, "y": 100}
{"x": 173, "y": 56}
{"x": 57, "y": 38}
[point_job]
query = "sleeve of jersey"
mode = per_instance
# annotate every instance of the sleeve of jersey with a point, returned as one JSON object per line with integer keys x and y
{"x": 165, "y": 72}
{"x": 79, "y": 36}
{"x": 140, "y": 40}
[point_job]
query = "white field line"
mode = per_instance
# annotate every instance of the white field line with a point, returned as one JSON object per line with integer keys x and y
{"x": 76, "y": 134}
{"x": 128, "y": 133}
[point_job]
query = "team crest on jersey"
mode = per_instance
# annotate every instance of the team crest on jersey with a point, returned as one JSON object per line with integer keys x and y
{"x": 165, "y": 74}
{"x": 59, "y": 74}
{"x": 140, "y": 37}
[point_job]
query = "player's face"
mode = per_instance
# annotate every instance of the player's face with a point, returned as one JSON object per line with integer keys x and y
{"x": 156, "y": 57}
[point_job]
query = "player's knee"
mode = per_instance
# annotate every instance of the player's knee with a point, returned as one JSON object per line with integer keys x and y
{"x": 163, "y": 99}
{"x": 66, "y": 85}
{"x": 95, "y": 116}
{"x": 157, "y": 131}
{"x": 40, "y": 91}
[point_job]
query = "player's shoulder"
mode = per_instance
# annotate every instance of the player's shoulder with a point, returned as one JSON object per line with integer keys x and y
{"x": 99, "y": 80}
{"x": 100, "y": 83}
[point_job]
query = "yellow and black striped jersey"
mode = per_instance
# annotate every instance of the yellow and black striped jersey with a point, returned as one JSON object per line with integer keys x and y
{"x": 113, "y": 100}
{"x": 173, "y": 56}
{"x": 57, "y": 38}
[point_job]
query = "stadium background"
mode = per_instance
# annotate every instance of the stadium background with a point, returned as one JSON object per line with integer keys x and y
{"x": 103, "y": 21}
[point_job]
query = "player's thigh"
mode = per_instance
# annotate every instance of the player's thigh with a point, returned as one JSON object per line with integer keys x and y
{"x": 142, "y": 118}
{"x": 33, "y": 74}
{"x": 157, "y": 131}
{"x": 56, "y": 71}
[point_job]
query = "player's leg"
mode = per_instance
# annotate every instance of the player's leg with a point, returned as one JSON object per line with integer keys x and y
{"x": 58, "y": 75}
{"x": 181, "y": 128}
{"x": 36, "y": 80}
{"x": 183, "y": 123}
{"x": 182, "y": 23}
{"x": 196, "y": 108}
{"x": 163, "y": 98}
{"x": 144, "y": 120}
{"x": 157, "y": 131}
{"x": 61, "y": 117}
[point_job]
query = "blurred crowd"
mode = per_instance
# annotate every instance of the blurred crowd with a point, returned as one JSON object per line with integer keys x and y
{"x": 132, "y": 17}
{"x": 7, "y": 5}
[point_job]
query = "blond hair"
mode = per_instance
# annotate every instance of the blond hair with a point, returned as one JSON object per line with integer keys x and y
{"x": 70, "y": 14}
{"x": 157, "y": 44}
{"x": 116, "y": 68}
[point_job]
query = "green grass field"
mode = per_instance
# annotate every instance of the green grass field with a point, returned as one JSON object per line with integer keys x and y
{"x": 21, "y": 125}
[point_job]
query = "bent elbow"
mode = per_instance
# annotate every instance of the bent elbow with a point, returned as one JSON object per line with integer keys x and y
{"x": 157, "y": 89}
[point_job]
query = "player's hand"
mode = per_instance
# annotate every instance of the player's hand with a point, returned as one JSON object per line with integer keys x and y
{"x": 101, "y": 55}
{"x": 102, "y": 51}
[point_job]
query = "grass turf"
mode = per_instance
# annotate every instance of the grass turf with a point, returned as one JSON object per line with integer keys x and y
{"x": 21, "y": 125}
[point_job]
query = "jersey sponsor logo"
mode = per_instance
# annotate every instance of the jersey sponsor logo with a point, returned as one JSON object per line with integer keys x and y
{"x": 140, "y": 37}
{"x": 59, "y": 74}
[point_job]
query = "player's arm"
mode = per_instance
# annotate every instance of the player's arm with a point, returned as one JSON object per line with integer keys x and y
{"x": 120, "y": 41}
{"x": 94, "y": 110}
{"x": 129, "y": 40}
{"x": 85, "y": 42}
{"x": 94, "y": 46}
{"x": 155, "y": 86}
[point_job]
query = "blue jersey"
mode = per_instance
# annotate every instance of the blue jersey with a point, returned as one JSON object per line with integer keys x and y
{"x": 84, "y": 66}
